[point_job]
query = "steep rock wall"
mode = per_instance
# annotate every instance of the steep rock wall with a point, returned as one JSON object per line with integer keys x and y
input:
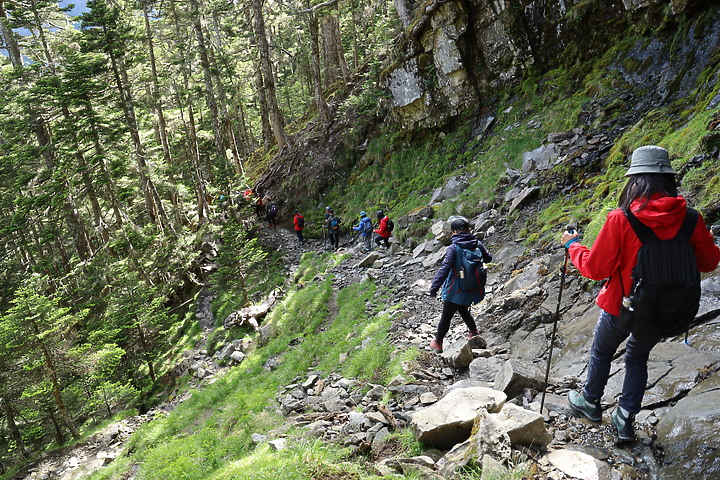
{"x": 458, "y": 50}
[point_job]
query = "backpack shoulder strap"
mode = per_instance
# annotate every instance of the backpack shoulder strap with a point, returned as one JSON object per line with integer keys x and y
{"x": 688, "y": 226}
{"x": 458, "y": 253}
{"x": 646, "y": 235}
{"x": 643, "y": 232}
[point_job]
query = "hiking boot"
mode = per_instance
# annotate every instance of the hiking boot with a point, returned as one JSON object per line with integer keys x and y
{"x": 624, "y": 423}
{"x": 437, "y": 346}
{"x": 591, "y": 410}
{"x": 470, "y": 335}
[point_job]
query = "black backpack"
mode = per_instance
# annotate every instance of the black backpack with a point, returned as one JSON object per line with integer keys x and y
{"x": 390, "y": 225}
{"x": 665, "y": 296}
{"x": 300, "y": 222}
{"x": 273, "y": 209}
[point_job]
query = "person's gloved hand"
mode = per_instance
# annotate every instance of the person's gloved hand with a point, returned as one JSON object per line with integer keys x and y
{"x": 568, "y": 238}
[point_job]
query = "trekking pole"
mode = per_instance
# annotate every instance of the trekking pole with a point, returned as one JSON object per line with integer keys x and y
{"x": 570, "y": 229}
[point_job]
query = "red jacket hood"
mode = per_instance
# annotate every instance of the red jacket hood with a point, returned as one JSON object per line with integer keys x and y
{"x": 663, "y": 214}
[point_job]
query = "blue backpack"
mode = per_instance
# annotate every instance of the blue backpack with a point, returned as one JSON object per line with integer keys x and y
{"x": 367, "y": 226}
{"x": 466, "y": 284}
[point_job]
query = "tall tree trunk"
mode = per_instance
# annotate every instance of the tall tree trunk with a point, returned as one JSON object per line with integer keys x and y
{"x": 155, "y": 91}
{"x": 81, "y": 238}
{"x": 266, "y": 129}
{"x": 335, "y": 65}
{"x": 404, "y": 11}
{"x": 230, "y": 127}
{"x": 53, "y": 378}
{"x": 90, "y": 189}
{"x": 11, "y": 45}
{"x": 13, "y": 428}
{"x": 190, "y": 126}
{"x": 276, "y": 119}
{"x": 110, "y": 186}
{"x": 320, "y": 103}
{"x": 356, "y": 54}
{"x": 203, "y": 208}
{"x": 146, "y": 353}
{"x": 207, "y": 77}
{"x": 59, "y": 437}
{"x": 154, "y": 208}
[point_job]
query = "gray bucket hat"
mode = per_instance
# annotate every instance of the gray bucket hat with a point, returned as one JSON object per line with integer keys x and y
{"x": 650, "y": 159}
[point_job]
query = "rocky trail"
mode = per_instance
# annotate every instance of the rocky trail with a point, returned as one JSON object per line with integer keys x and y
{"x": 499, "y": 374}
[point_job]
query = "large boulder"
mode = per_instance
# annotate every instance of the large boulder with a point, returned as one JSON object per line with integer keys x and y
{"x": 442, "y": 231}
{"x": 454, "y": 187}
{"x": 369, "y": 259}
{"x": 542, "y": 158}
{"x": 415, "y": 216}
{"x": 450, "y": 420}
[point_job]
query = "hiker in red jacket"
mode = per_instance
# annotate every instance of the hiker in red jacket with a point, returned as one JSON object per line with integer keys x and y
{"x": 383, "y": 231}
{"x": 298, "y": 225}
{"x": 651, "y": 195}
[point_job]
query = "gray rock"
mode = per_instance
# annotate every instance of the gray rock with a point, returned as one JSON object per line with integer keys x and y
{"x": 278, "y": 444}
{"x": 434, "y": 259}
{"x": 452, "y": 189}
{"x": 258, "y": 438}
{"x": 485, "y": 369}
{"x": 526, "y": 196}
{"x": 225, "y": 352}
{"x": 369, "y": 259}
{"x": 424, "y": 248}
{"x": 237, "y": 356}
{"x": 458, "y": 354}
{"x": 578, "y": 465}
{"x": 517, "y": 375}
{"x": 417, "y": 216}
{"x": 492, "y": 469}
{"x": 380, "y": 437}
{"x": 490, "y": 438}
{"x": 524, "y": 427}
{"x": 450, "y": 420}
{"x": 542, "y": 158}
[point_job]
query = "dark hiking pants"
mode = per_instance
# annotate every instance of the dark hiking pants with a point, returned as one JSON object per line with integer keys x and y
{"x": 609, "y": 334}
{"x": 448, "y": 311}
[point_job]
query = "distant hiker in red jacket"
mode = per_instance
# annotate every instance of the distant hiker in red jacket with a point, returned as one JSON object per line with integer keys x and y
{"x": 298, "y": 225}
{"x": 651, "y": 195}
{"x": 383, "y": 229}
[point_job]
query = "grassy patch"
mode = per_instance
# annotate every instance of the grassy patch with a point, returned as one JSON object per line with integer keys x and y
{"x": 209, "y": 435}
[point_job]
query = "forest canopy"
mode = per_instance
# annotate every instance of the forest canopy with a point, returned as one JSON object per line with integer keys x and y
{"x": 121, "y": 130}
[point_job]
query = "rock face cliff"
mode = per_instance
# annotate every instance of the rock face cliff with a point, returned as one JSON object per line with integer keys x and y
{"x": 457, "y": 52}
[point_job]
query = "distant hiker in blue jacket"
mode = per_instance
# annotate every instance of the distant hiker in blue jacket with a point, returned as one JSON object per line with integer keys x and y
{"x": 365, "y": 227}
{"x": 454, "y": 299}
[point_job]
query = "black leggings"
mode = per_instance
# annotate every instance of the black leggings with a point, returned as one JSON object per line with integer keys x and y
{"x": 379, "y": 239}
{"x": 448, "y": 311}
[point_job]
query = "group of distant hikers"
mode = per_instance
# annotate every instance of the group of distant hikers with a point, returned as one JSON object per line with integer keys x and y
{"x": 650, "y": 251}
{"x": 365, "y": 227}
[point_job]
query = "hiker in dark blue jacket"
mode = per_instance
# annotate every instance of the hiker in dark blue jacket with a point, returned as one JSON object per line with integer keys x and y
{"x": 365, "y": 227}
{"x": 455, "y": 299}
